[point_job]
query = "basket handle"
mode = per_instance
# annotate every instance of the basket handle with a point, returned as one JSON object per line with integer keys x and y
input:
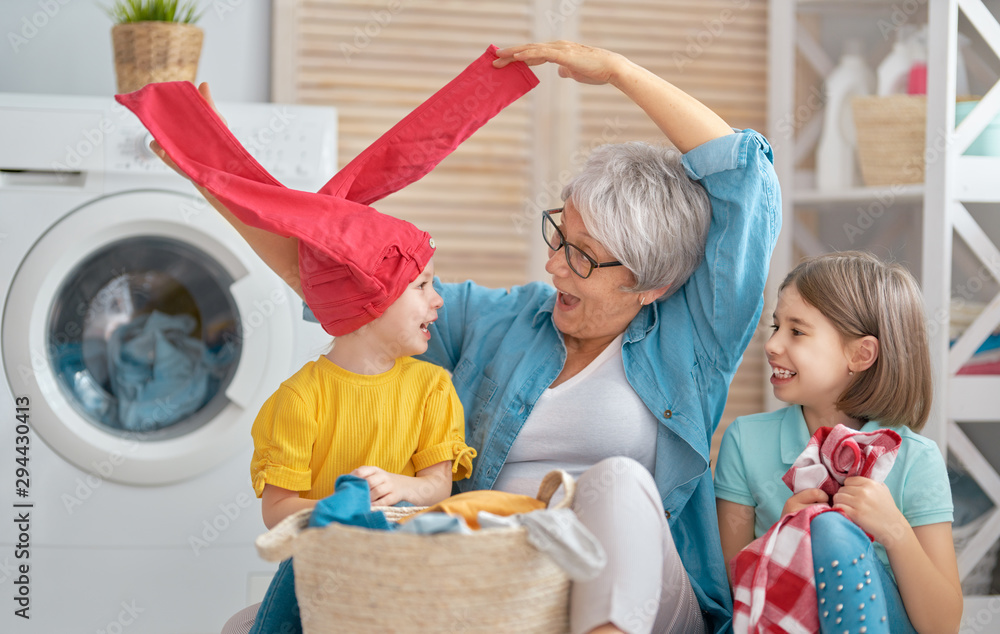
{"x": 551, "y": 483}
{"x": 278, "y": 544}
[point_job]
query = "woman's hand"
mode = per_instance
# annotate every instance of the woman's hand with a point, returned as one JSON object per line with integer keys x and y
{"x": 803, "y": 499}
{"x": 870, "y": 505}
{"x": 685, "y": 121}
{"x": 585, "y": 64}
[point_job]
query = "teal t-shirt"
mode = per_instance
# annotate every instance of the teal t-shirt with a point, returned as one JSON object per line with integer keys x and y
{"x": 757, "y": 450}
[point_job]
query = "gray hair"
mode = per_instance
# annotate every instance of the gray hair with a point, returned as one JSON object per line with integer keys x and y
{"x": 639, "y": 203}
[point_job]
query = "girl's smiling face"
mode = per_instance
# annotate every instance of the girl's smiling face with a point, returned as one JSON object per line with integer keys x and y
{"x": 808, "y": 357}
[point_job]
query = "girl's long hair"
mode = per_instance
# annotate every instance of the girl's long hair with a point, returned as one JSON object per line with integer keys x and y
{"x": 861, "y": 295}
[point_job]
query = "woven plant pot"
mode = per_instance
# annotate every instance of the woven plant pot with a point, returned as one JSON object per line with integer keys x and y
{"x": 148, "y": 52}
{"x": 353, "y": 580}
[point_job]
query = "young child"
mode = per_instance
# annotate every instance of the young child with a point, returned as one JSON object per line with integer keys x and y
{"x": 849, "y": 347}
{"x": 366, "y": 408}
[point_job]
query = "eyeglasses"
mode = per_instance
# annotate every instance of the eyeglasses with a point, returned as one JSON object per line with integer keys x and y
{"x": 579, "y": 262}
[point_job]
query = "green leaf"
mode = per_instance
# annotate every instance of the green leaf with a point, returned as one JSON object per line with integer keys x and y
{"x": 129, "y": 11}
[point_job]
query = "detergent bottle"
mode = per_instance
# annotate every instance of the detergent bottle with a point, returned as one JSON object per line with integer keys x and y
{"x": 836, "y": 159}
{"x": 893, "y": 72}
{"x": 917, "y": 44}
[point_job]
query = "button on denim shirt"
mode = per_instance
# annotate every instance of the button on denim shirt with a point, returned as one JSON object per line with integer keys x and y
{"x": 680, "y": 353}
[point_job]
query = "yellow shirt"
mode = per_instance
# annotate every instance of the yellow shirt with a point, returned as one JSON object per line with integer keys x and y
{"x": 324, "y": 422}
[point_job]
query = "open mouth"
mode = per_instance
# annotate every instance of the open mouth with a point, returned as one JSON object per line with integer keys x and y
{"x": 568, "y": 301}
{"x": 782, "y": 373}
{"x": 425, "y": 327}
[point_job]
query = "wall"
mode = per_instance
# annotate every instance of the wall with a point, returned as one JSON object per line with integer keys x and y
{"x": 64, "y": 47}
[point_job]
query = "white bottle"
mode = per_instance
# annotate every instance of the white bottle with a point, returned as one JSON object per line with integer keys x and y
{"x": 894, "y": 71}
{"x": 836, "y": 160}
{"x": 961, "y": 72}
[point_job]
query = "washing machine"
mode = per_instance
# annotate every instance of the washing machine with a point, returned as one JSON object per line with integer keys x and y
{"x": 140, "y": 335}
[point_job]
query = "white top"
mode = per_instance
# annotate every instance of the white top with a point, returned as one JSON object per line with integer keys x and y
{"x": 573, "y": 426}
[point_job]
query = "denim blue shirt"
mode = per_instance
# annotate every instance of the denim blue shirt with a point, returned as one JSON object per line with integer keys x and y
{"x": 680, "y": 353}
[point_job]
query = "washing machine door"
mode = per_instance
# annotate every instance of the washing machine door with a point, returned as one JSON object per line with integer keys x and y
{"x": 150, "y": 334}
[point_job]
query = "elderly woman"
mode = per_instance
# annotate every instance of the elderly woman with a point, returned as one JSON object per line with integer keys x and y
{"x": 618, "y": 371}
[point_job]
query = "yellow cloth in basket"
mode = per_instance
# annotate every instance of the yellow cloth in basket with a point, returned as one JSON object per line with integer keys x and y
{"x": 467, "y": 505}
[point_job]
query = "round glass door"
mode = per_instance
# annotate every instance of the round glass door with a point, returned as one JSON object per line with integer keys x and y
{"x": 144, "y": 329}
{"x": 144, "y": 337}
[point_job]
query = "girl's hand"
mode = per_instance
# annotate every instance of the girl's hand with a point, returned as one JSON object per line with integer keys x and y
{"x": 804, "y": 498}
{"x": 585, "y": 64}
{"x": 870, "y": 505}
{"x": 386, "y": 488}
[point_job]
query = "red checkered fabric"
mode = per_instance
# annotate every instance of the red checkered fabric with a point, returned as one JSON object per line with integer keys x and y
{"x": 835, "y": 454}
{"x": 773, "y": 586}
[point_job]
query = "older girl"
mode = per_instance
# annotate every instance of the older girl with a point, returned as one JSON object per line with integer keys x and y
{"x": 849, "y": 347}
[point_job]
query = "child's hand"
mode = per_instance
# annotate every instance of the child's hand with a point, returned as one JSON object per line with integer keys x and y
{"x": 870, "y": 505}
{"x": 805, "y": 498}
{"x": 386, "y": 488}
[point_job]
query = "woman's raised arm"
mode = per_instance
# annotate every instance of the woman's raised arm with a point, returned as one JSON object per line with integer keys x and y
{"x": 685, "y": 121}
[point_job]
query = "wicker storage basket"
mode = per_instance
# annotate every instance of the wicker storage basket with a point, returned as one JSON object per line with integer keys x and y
{"x": 147, "y": 52}
{"x": 355, "y": 580}
{"x": 890, "y": 138}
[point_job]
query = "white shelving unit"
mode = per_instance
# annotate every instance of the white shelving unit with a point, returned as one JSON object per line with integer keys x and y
{"x": 935, "y": 215}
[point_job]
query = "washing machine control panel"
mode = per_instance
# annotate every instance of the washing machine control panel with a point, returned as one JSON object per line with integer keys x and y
{"x": 294, "y": 143}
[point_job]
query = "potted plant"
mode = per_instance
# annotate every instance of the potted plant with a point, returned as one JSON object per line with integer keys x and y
{"x": 155, "y": 40}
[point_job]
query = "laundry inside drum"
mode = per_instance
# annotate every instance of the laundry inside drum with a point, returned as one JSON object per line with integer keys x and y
{"x": 144, "y": 337}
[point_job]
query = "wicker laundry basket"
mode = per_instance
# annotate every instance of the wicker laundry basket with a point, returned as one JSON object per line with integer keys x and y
{"x": 355, "y": 580}
{"x": 148, "y": 52}
{"x": 890, "y": 132}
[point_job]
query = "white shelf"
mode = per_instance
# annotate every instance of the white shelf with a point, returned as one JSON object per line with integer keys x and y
{"x": 850, "y": 198}
{"x": 937, "y": 205}
{"x": 976, "y": 178}
{"x": 966, "y": 402}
